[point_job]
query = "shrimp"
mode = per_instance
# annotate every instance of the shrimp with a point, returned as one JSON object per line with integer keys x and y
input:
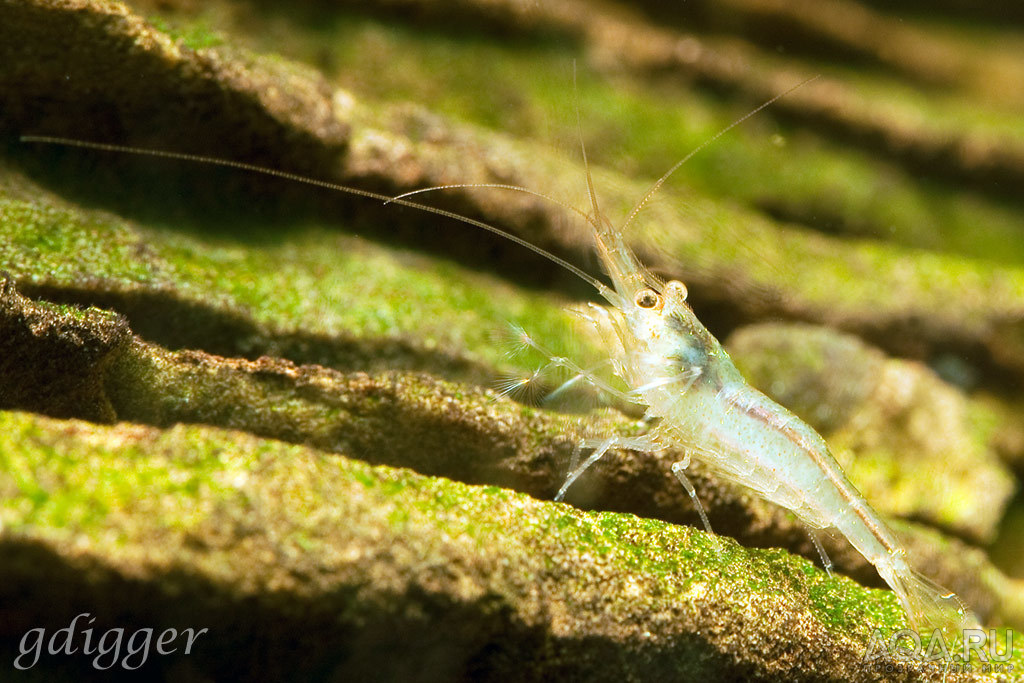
{"x": 693, "y": 394}
{"x": 701, "y": 404}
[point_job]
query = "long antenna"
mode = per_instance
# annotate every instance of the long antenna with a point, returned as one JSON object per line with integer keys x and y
{"x": 253, "y": 168}
{"x": 495, "y": 186}
{"x": 583, "y": 149}
{"x": 661, "y": 181}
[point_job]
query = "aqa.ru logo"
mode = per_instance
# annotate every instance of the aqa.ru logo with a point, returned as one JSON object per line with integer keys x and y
{"x": 974, "y": 646}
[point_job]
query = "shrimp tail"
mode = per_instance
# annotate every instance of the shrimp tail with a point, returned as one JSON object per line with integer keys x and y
{"x": 928, "y": 605}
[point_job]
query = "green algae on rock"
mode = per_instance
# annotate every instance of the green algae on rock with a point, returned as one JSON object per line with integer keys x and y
{"x": 53, "y": 358}
{"x": 415, "y": 420}
{"x": 353, "y": 305}
{"x": 246, "y": 530}
{"x": 967, "y": 306}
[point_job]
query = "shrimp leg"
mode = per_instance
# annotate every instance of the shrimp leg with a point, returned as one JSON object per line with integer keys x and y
{"x": 826, "y": 561}
{"x": 648, "y": 443}
{"x": 602, "y": 446}
{"x": 678, "y": 470}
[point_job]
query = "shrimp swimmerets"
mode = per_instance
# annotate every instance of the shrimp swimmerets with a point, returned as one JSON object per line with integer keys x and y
{"x": 693, "y": 394}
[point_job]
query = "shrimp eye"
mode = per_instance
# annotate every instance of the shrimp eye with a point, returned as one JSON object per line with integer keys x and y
{"x": 647, "y": 298}
{"x": 676, "y": 291}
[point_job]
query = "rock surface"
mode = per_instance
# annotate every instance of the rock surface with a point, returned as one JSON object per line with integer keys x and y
{"x": 281, "y": 549}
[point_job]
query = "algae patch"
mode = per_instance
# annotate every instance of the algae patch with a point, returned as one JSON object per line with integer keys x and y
{"x": 242, "y": 516}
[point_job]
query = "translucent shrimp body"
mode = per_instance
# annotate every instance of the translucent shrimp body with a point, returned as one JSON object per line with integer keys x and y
{"x": 684, "y": 377}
